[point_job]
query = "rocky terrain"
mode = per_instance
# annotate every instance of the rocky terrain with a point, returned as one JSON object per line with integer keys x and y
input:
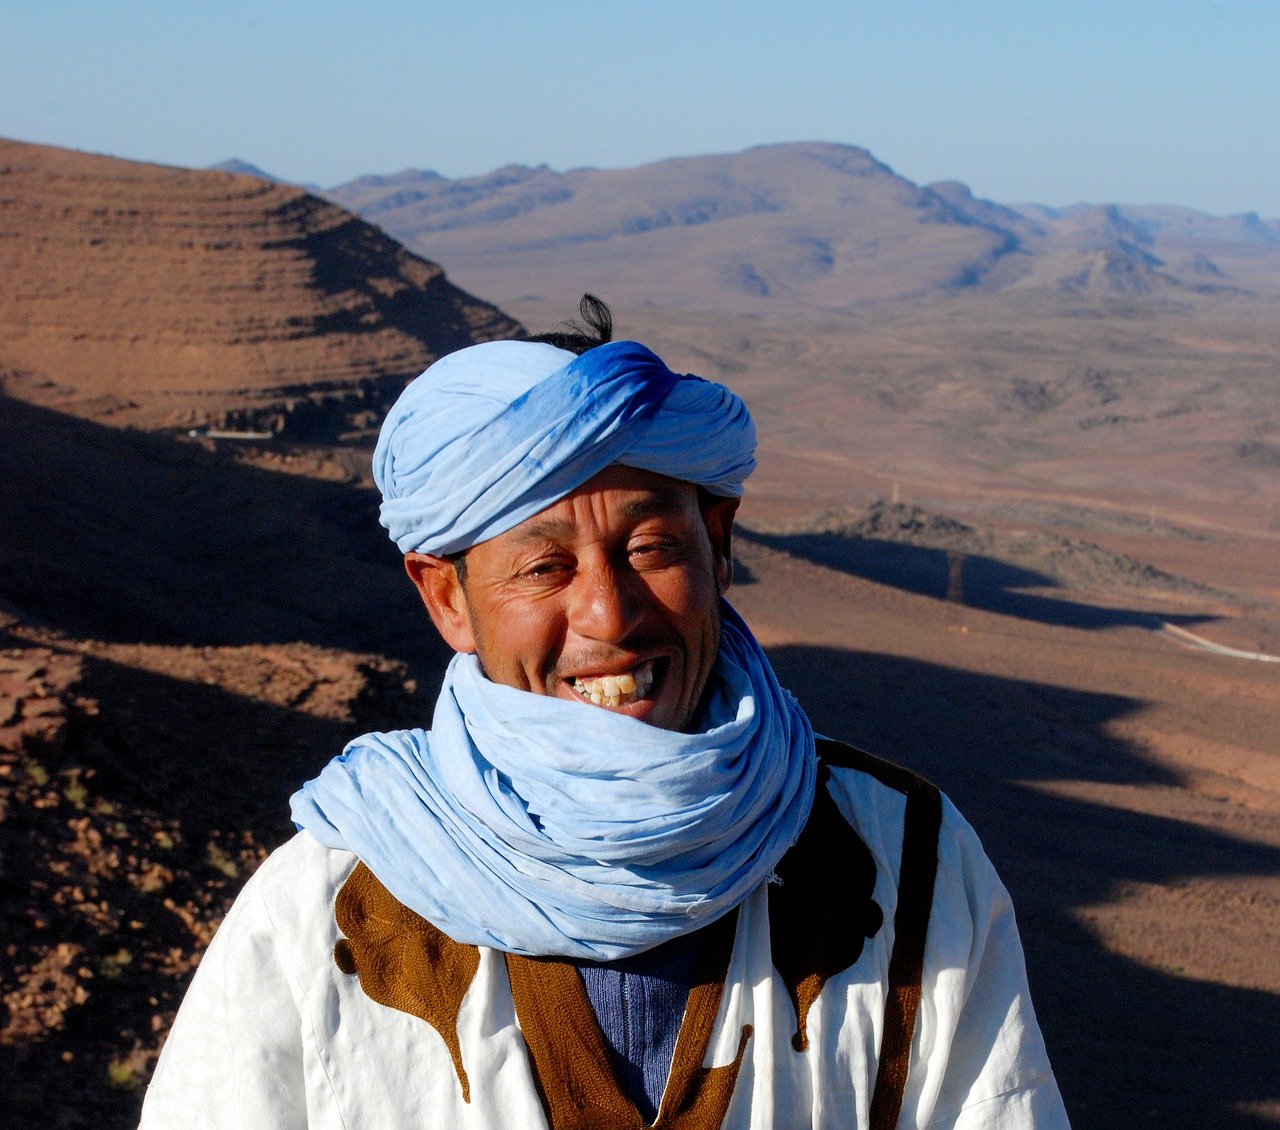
{"x": 158, "y": 705}
{"x": 139, "y": 786}
{"x": 178, "y": 651}
{"x": 1053, "y": 404}
{"x": 975, "y": 516}
{"x": 155, "y": 296}
{"x": 1126, "y": 787}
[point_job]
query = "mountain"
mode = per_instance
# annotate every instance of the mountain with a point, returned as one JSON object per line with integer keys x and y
{"x": 782, "y": 228}
{"x": 818, "y": 224}
{"x": 149, "y": 295}
{"x": 235, "y": 165}
{"x": 1164, "y": 244}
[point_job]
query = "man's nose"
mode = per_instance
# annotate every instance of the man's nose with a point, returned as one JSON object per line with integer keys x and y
{"x": 606, "y": 606}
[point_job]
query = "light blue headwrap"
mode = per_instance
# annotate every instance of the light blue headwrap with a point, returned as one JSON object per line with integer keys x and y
{"x": 493, "y": 434}
{"x": 531, "y": 823}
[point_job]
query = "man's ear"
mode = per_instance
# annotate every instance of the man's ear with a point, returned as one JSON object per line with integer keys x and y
{"x": 717, "y": 515}
{"x": 438, "y": 583}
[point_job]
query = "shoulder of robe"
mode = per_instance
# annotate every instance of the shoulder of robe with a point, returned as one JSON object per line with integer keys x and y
{"x": 840, "y": 755}
{"x": 822, "y": 910}
{"x": 296, "y": 886}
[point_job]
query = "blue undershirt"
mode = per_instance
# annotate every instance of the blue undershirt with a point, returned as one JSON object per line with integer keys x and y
{"x": 639, "y": 1002}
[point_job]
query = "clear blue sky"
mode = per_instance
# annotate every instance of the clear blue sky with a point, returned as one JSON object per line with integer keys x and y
{"x": 1129, "y": 101}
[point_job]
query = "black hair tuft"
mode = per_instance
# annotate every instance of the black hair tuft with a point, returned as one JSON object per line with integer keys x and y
{"x": 596, "y": 328}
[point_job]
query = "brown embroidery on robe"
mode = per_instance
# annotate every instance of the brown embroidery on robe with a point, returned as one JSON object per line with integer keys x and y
{"x": 571, "y": 1062}
{"x": 921, "y": 824}
{"x": 821, "y": 912}
{"x": 403, "y": 961}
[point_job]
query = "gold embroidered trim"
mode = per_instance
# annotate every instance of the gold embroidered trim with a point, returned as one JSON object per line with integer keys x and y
{"x": 403, "y": 961}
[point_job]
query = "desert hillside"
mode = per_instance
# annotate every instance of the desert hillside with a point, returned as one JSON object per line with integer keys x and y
{"x": 1072, "y": 413}
{"x": 1019, "y": 530}
{"x": 149, "y": 295}
{"x": 159, "y": 701}
{"x": 178, "y": 651}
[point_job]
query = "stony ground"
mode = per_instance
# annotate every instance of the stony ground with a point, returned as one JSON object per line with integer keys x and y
{"x": 139, "y": 787}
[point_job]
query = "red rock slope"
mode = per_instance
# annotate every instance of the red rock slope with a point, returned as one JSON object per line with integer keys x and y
{"x": 151, "y": 295}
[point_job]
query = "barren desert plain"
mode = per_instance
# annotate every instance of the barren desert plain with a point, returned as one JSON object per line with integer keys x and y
{"x": 1016, "y": 525}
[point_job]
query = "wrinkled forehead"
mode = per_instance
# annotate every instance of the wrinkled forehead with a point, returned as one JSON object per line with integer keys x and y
{"x": 616, "y": 496}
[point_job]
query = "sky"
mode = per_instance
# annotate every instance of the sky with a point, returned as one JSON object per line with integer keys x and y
{"x": 1128, "y": 101}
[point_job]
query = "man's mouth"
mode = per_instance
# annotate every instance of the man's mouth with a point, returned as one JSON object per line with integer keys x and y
{"x": 617, "y": 690}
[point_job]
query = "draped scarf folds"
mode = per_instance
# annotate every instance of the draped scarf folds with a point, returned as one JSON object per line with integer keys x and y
{"x": 547, "y": 827}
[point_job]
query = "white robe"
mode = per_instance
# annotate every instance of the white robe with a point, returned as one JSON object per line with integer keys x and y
{"x": 274, "y": 1036}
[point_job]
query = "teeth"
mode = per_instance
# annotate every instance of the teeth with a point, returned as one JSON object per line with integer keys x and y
{"x": 617, "y": 690}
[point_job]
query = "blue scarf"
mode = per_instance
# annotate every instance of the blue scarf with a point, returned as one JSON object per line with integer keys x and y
{"x": 547, "y": 827}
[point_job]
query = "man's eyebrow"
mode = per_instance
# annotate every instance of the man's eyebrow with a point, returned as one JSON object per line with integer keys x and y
{"x": 655, "y": 503}
{"x": 544, "y": 528}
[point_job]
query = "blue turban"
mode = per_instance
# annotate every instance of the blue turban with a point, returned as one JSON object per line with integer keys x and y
{"x": 496, "y": 433}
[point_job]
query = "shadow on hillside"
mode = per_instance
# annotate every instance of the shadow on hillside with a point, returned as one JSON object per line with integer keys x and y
{"x": 357, "y": 258}
{"x": 982, "y": 582}
{"x": 169, "y": 767}
{"x": 1131, "y": 1045}
{"x": 134, "y": 537}
{"x": 169, "y": 761}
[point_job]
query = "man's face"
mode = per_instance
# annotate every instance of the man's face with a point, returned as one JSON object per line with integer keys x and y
{"x": 609, "y": 597}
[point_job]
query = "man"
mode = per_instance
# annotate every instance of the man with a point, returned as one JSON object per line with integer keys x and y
{"x": 618, "y": 883}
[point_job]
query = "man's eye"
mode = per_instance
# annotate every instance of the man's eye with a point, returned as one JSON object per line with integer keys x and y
{"x": 540, "y": 569}
{"x": 651, "y": 551}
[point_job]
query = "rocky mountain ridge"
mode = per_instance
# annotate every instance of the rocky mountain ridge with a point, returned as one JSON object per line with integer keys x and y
{"x": 795, "y": 226}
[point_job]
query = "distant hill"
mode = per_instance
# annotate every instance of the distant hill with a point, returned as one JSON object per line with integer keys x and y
{"x": 1156, "y": 247}
{"x": 151, "y": 295}
{"x": 809, "y": 223}
{"x": 785, "y": 227}
{"x": 235, "y": 165}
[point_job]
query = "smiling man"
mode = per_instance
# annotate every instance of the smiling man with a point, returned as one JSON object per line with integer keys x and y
{"x": 611, "y": 595}
{"x": 619, "y": 882}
